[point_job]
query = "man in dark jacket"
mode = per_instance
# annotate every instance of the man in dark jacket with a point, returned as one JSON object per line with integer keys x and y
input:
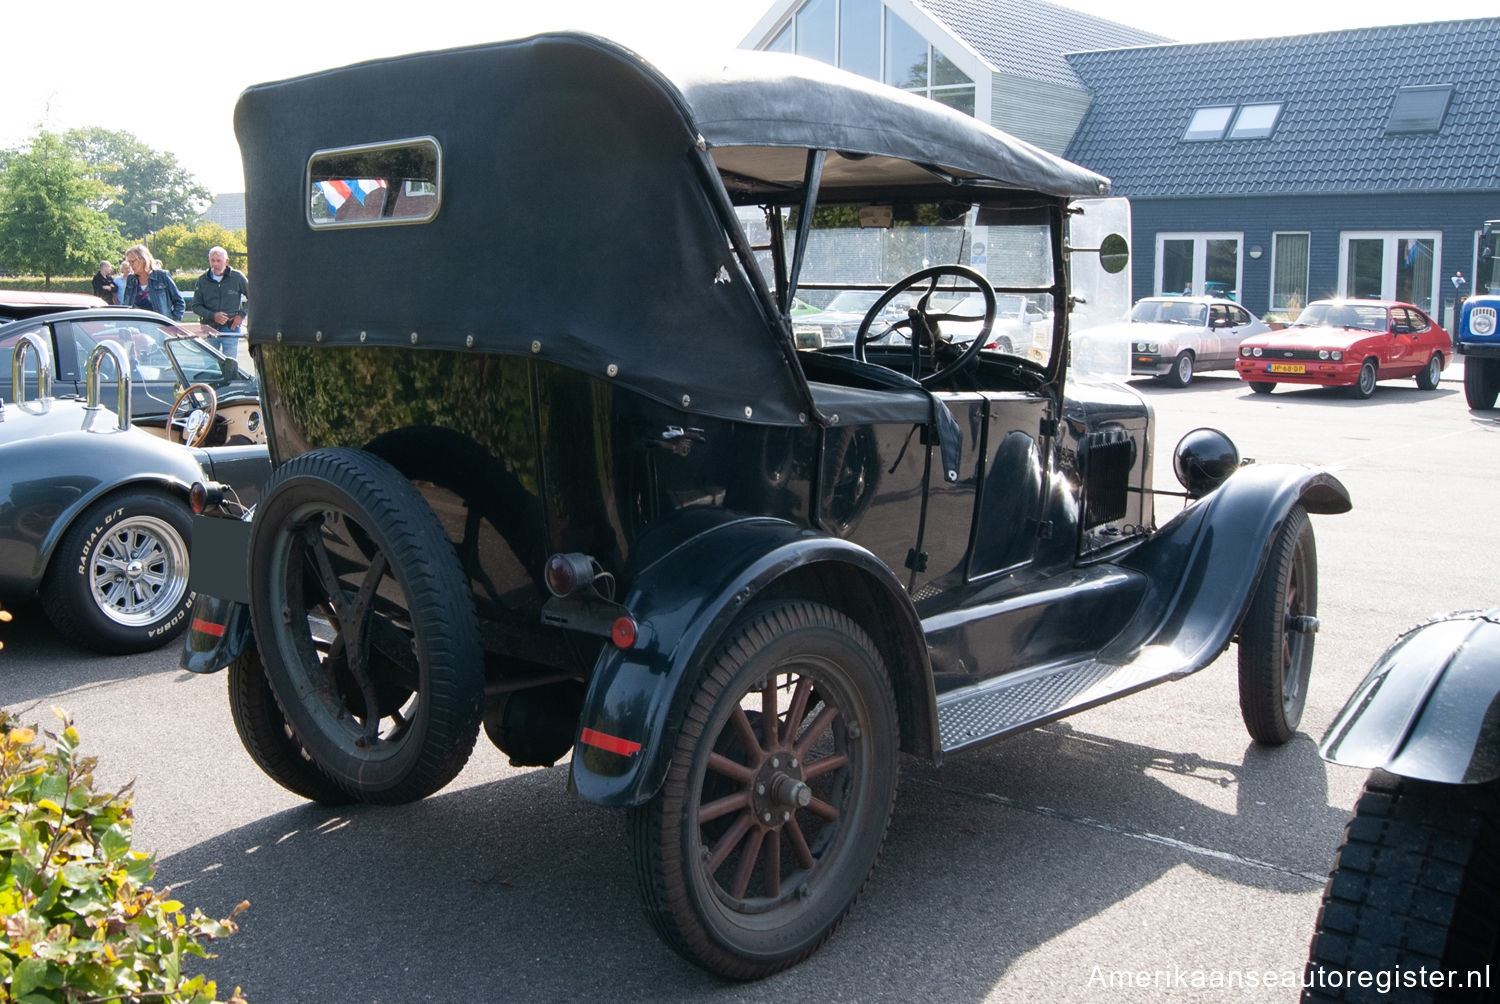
{"x": 104, "y": 283}
{"x": 220, "y": 299}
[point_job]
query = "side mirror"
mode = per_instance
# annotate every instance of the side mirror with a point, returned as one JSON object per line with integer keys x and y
{"x": 1114, "y": 254}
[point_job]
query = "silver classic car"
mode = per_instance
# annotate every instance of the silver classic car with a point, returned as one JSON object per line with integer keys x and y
{"x": 1173, "y": 337}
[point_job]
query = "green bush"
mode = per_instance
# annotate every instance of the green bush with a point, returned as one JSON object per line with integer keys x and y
{"x": 80, "y": 924}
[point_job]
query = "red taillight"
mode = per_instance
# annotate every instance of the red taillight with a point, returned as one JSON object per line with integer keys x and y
{"x": 567, "y": 573}
{"x": 202, "y": 495}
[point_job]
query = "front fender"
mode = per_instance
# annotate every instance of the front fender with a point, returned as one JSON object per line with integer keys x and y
{"x": 1204, "y": 564}
{"x": 684, "y": 602}
{"x": 1430, "y": 707}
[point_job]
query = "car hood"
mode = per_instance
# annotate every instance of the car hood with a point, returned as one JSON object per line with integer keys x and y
{"x": 1320, "y": 336}
{"x": 1142, "y": 331}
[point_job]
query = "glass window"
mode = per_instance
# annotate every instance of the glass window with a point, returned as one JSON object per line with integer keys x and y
{"x": 815, "y": 30}
{"x": 1177, "y": 266}
{"x": 961, "y": 98}
{"x": 784, "y": 40}
{"x": 1209, "y": 123}
{"x": 1419, "y": 109}
{"x": 398, "y": 182}
{"x": 1363, "y": 261}
{"x": 1255, "y": 121}
{"x": 859, "y": 37}
{"x": 905, "y": 53}
{"x": 945, "y": 71}
{"x": 1289, "y": 260}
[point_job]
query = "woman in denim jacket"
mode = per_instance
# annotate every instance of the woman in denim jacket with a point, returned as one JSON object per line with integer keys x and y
{"x": 150, "y": 288}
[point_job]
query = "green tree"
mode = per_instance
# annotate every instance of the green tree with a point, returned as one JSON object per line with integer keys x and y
{"x": 138, "y": 176}
{"x": 49, "y": 223}
{"x": 186, "y": 248}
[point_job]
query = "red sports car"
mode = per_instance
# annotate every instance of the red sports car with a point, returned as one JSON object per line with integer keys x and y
{"x": 1348, "y": 343}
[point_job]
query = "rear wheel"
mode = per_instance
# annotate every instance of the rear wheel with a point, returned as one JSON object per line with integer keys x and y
{"x": 1181, "y": 373}
{"x": 365, "y": 625}
{"x": 1431, "y": 373}
{"x": 267, "y": 737}
{"x": 1276, "y": 638}
{"x": 1262, "y": 386}
{"x": 1481, "y": 382}
{"x": 780, "y": 787}
{"x": 118, "y": 581}
{"x": 1413, "y": 887}
{"x": 1364, "y": 385}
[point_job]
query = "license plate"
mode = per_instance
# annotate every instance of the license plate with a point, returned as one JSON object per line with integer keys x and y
{"x": 1288, "y": 368}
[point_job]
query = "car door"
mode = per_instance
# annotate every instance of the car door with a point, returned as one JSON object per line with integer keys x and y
{"x": 1402, "y": 356}
{"x": 1210, "y": 340}
{"x": 1238, "y": 322}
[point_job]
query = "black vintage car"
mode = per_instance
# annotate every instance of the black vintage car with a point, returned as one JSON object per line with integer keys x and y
{"x": 735, "y": 578}
{"x": 94, "y": 512}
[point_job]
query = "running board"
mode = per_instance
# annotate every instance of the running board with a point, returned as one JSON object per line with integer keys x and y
{"x": 1017, "y": 701}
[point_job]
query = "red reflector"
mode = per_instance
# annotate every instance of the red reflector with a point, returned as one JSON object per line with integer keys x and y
{"x": 209, "y": 627}
{"x": 623, "y": 632}
{"x": 611, "y": 744}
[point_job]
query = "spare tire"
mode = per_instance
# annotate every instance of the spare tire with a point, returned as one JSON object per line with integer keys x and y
{"x": 365, "y": 625}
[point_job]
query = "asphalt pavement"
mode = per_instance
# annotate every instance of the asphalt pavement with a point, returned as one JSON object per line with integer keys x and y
{"x": 1125, "y": 854}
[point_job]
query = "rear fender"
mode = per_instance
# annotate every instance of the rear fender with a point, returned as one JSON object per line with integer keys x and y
{"x": 1430, "y": 707}
{"x": 1204, "y": 564}
{"x": 687, "y": 600}
{"x": 218, "y": 633}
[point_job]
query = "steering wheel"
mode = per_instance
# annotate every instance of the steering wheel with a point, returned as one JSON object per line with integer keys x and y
{"x": 924, "y": 332}
{"x": 200, "y": 420}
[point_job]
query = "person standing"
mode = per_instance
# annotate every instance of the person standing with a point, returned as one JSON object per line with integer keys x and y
{"x": 104, "y": 283}
{"x": 220, "y": 300}
{"x": 150, "y": 287}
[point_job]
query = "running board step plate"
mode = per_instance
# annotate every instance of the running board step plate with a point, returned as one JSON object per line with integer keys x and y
{"x": 999, "y": 707}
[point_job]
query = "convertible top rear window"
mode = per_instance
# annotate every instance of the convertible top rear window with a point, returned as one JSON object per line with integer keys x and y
{"x": 381, "y": 183}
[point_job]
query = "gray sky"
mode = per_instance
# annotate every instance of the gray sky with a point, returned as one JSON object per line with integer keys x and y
{"x": 178, "y": 94}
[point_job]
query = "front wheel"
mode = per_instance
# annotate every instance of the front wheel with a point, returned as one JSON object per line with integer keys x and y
{"x": 1262, "y": 386}
{"x": 1481, "y": 382}
{"x": 118, "y": 581}
{"x": 1276, "y": 638}
{"x": 1181, "y": 373}
{"x": 777, "y": 798}
{"x": 1413, "y": 888}
{"x": 1364, "y": 385}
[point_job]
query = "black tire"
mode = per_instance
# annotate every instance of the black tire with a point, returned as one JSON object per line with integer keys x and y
{"x": 118, "y": 581}
{"x": 1262, "y": 386}
{"x": 1276, "y": 638}
{"x": 1431, "y": 373}
{"x": 1413, "y": 886}
{"x": 1004, "y": 345}
{"x": 365, "y": 625}
{"x": 267, "y": 737}
{"x": 1481, "y": 382}
{"x": 1364, "y": 384}
{"x": 1181, "y": 373}
{"x": 765, "y": 880}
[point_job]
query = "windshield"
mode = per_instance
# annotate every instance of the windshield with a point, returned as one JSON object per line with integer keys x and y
{"x": 855, "y": 252}
{"x": 1169, "y": 311}
{"x": 1363, "y": 317}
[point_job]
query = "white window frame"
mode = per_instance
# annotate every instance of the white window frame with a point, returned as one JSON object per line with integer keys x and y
{"x": 1200, "y": 241}
{"x": 1391, "y": 248}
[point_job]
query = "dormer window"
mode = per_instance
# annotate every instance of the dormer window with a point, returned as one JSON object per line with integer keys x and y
{"x": 1209, "y": 123}
{"x": 1419, "y": 109}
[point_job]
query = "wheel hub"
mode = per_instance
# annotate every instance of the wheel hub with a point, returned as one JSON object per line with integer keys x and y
{"x": 134, "y": 569}
{"x": 779, "y": 789}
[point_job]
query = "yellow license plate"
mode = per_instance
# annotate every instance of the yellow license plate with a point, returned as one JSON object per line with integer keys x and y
{"x": 1287, "y": 368}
